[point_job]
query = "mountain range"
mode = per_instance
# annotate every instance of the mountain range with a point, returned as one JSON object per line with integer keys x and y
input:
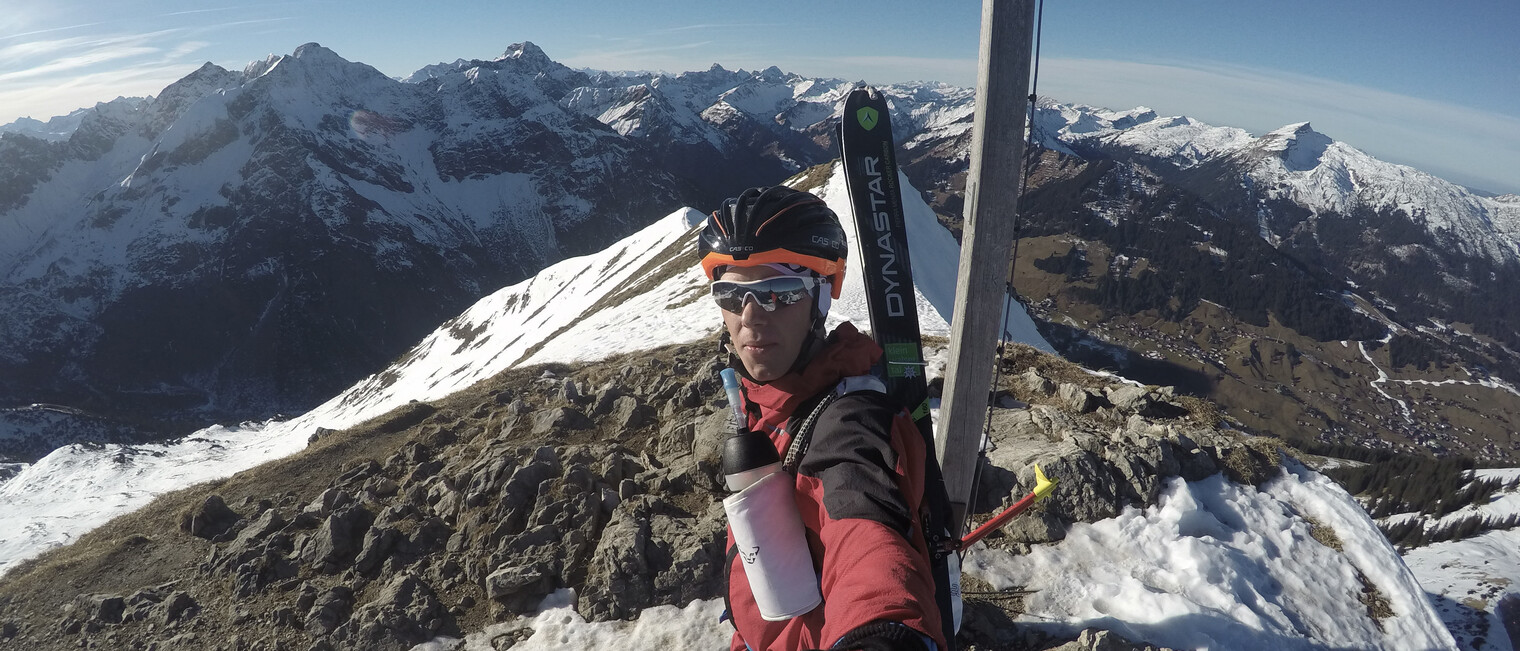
{"x": 247, "y": 242}
{"x": 250, "y": 244}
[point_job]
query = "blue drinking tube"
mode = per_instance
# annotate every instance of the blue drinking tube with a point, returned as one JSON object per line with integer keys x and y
{"x": 735, "y": 399}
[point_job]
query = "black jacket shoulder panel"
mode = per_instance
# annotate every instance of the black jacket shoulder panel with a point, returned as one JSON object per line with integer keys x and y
{"x": 852, "y": 456}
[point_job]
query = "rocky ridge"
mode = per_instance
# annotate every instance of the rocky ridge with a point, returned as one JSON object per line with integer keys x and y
{"x": 441, "y": 518}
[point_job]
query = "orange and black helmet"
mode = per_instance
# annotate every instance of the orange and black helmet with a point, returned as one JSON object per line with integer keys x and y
{"x": 775, "y": 225}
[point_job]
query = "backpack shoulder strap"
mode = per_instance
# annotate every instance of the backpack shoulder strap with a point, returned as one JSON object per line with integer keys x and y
{"x": 802, "y": 436}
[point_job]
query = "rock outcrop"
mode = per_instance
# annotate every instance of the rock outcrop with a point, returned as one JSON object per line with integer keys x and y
{"x": 438, "y": 519}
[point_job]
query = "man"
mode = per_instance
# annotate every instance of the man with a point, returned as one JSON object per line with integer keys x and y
{"x": 776, "y": 257}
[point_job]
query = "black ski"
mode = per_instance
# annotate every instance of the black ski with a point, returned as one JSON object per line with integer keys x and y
{"x": 870, "y": 168}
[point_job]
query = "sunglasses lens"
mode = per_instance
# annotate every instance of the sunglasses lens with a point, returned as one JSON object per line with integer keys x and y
{"x": 768, "y": 293}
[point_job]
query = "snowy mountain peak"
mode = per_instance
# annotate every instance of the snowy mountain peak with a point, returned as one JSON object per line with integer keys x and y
{"x": 526, "y": 51}
{"x": 315, "y": 51}
{"x": 1291, "y": 130}
{"x": 1298, "y": 145}
{"x": 771, "y": 74}
{"x": 1138, "y": 115}
{"x": 256, "y": 69}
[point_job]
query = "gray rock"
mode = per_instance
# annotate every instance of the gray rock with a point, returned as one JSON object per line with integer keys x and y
{"x": 1129, "y": 398}
{"x": 610, "y": 500}
{"x": 620, "y": 580}
{"x": 381, "y": 487}
{"x": 1076, "y": 398}
{"x": 404, "y": 613}
{"x": 605, "y": 401}
{"x": 336, "y": 541}
{"x": 429, "y": 536}
{"x": 179, "y": 606}
{"x": 377, "y": 545}
{"x": 488, "y": 482}
{"x": 104, "y": 608}
{"x": 513, "y": 580}
{"x": 1036, "y": 384}
{"x": 559, "y": 419}
{"x": 319, "y": 434}
{"x": 1099, "y": 640}
{"x": 617, "y": 466}
{"x": 695, "y": 549}
{"x": 689, "y": 396}
{"x": 330, "y": 500}
{"x": 262, "y": 527}
{"x": 141, "y": 605}
{"x": 628, "y": 413}
{"x": 1005, "y": 401}
{"x": 330, "y": 609}
{"x": 260, "y": 571}
{"x": 707, "y": 441}
{"x": 675, "y": 438}
{"x": 210, "y": 519}
{"x": 359, "y": 473}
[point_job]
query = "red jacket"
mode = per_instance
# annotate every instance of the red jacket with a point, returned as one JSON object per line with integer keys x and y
{"x": 859, "y": 492}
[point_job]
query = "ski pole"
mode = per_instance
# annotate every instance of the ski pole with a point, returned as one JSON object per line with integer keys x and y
{"x": 1042, "y": 487}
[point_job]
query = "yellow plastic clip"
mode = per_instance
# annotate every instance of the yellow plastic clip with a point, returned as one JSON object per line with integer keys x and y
{"x": 1042, "y": 486}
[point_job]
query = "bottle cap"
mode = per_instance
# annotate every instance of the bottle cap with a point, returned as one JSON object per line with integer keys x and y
{"x": 747, "y": 450}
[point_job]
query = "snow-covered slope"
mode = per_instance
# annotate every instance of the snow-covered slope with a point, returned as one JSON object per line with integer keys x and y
{"x": 1296, "y": 164}
{"x": 644, "y": 291}
{"x": 1467, "y": 577}
{"x": 1222, "y": 566}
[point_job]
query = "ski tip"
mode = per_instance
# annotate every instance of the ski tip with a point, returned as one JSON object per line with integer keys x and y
{"x": 1042, "y": 485}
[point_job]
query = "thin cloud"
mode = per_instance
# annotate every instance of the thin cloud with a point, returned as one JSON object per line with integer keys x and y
{"x": 186, "y": 49}
{"x": 704, "y": 26}
{"x": 37, "y": 49}
{"x": 236, "y": 23}
{"x": 48, "y": 31}
{"x": 90, "y": 59}
{"x": 613, "y": 57}
{"x": 892, "y": 69}
{"x": 201, "y": 11}
{"x": 45, "y": 100}
{"x": 42, "y": 84}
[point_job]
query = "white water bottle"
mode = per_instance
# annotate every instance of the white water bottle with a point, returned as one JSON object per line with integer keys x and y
{"x": 763, "y": 517}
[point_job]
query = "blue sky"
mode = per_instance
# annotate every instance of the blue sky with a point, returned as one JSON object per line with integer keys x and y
{"x": 1429, "y": 84}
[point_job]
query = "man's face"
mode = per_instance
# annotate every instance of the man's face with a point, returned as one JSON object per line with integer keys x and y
{"x": 767, "y": 342}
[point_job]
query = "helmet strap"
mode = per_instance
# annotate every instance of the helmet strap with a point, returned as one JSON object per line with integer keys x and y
{"x": 814, "y": 340}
